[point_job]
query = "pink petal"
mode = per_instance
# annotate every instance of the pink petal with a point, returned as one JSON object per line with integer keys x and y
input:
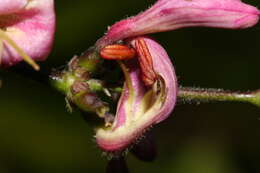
{"x": 134, "y": 114}
{"x": 32, "y": 30}
{"x": 167, "y": 15}
{"x": 11, "y": 6}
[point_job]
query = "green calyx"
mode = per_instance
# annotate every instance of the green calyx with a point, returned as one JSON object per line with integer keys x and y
{"x": 90, "y": 61}
{"x": 79, "y": 83}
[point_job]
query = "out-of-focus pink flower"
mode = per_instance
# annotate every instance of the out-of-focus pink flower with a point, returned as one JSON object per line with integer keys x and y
{"x": 26, "y": 30}
{"x": 141, "y": 106}
{"x": 167, "y": 15}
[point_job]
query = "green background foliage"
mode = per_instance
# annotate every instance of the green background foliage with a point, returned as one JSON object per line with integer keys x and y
{"x": 37, "y": 134}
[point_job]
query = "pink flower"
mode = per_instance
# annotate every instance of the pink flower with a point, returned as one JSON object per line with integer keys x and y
{"x": 141, "y": 106}
{"x": 26, "y": 30}
{"x": 167, "y": 15}
{"x": 150, "y": 89}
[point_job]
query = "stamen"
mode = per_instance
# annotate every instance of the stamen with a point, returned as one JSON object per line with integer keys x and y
{"x": 149, "y": 76}
{"x": 117, "y": 52}
{"x": 24, "y": 56}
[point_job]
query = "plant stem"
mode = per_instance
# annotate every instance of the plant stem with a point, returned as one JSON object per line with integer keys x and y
{"x": 211, "y": 95}
{"x": 186, "y": 94}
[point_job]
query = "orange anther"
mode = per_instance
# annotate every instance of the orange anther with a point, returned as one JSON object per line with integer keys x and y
{"x": 149, "y": 76}
{"x": 117, "y": 52}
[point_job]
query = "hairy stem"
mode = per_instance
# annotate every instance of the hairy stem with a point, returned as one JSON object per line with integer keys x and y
{"x": 185, "y": 94}
{"x": 211, "y": 95}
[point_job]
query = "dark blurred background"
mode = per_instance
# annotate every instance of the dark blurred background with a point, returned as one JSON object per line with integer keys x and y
{"x": 38, "y": 135}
